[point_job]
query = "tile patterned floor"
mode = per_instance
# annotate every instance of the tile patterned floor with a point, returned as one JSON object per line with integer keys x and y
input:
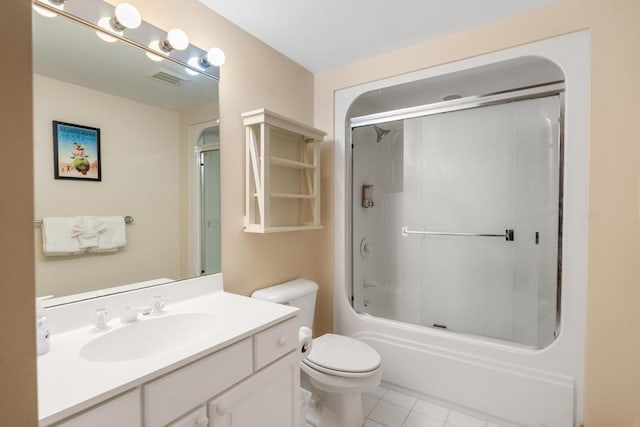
{"x": 388, "y": 408}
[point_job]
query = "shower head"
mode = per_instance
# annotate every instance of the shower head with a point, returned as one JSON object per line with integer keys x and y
{"x": 381, "y": 133}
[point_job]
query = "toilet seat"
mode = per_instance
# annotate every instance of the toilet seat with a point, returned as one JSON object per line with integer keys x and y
{"x": 342, "y": 356}
{"x": 341, "y": 383}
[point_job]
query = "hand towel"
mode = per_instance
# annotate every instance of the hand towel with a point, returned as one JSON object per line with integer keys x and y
{"x": 87, "y": 230}
{"x": 114, "y": 235}
{"x": 57, "y": 238}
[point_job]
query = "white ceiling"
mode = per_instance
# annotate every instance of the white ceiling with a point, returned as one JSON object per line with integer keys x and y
{"x": 324, "y": 34}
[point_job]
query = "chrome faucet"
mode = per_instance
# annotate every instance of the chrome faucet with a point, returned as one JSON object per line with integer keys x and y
{"x": 131, "y": 313}
{"x": 155, "y": 308}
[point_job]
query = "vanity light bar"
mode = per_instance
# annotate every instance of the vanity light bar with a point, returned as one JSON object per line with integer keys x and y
{"x": 88, "y": 14}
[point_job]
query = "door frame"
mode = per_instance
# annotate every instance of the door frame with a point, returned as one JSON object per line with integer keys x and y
{"x": 194, "y": 216}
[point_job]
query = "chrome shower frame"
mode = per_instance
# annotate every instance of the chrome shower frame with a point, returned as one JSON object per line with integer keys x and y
{"x": 517, "y": 94}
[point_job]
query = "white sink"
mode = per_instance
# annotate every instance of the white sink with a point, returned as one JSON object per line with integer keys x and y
{"x": 149, "y": 336}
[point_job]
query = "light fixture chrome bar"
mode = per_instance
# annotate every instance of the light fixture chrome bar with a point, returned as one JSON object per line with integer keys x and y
{"x": 508, "y": 234}
{"x": 530, "y": 92}
{"x": 83, "y": 14}
{"x": 127, "y": 220}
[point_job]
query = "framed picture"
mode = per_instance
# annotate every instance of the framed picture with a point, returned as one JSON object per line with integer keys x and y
{"x": 76, "y": 152}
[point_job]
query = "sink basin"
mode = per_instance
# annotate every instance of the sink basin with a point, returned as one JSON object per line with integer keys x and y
{"x": 148, "y": 336}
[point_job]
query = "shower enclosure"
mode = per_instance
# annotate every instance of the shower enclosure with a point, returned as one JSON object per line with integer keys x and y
{"x": 456, "y": 214}
{"x": 485, "y": 169}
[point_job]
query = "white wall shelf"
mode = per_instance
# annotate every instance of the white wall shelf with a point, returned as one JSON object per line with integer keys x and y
{"x": 282, "y": 173}
{"x": 286, "y": 163}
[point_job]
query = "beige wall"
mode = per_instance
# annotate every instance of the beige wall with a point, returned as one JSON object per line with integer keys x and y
{"x": 17, "y": 288}
{"x": 136, "y": 140}
{"x": 254, "y": 76}
{"x": 613, "y": 347}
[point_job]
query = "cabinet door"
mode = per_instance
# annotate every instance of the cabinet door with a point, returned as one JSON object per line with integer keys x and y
{"x": 195, "y": 418}
{"x": 121, "y": 411}
{"x": 178, "y": 392}
{"x": 270, "y": 398}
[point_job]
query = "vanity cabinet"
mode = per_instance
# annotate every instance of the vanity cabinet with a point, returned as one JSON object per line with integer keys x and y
{"x": 122, "y": 411}
{"x": 252, "y": 382}
{"x": 282, "y": 173}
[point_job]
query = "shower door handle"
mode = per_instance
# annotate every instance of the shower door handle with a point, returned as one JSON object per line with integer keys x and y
{"x": 508, "y": 234}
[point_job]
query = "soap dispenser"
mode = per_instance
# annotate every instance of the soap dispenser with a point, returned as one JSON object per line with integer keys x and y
{"x": 42, "y": 327}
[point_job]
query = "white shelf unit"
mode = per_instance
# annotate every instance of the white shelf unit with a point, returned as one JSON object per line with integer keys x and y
{"x": 282, "y": 173}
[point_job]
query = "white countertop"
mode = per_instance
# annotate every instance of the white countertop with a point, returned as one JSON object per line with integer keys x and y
{"x": 67, "y": 383}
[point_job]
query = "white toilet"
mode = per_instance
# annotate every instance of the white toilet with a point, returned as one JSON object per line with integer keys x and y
{"x": 339, "y": 367}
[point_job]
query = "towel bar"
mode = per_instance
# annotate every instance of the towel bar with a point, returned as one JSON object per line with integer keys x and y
{"x": 508, "y": 234}
{"x": 127, "y": 220}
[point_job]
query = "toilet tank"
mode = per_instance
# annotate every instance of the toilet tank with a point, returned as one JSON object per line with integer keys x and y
{"x": 300, "y": 293}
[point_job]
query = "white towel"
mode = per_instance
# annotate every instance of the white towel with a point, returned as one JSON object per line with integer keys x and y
{"x": 114, "y": 235}
{"x": 87, "y": 230}
{"x": 57, "y": 238}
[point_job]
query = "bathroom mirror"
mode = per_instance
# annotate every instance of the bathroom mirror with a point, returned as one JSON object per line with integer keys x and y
{"x": 159, "y": 160}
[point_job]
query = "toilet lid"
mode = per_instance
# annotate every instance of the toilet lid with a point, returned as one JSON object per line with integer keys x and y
{"x": 343, "y": 354}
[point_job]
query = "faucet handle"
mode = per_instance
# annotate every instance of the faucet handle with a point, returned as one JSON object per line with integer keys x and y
{"x": 157, "y": 305}
{"x": 100, "y": 319}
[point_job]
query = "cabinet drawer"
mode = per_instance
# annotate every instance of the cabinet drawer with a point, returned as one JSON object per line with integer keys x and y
{"x": 275, "y": 342}
{"x": 176, "y": 393}
{"x": 122, "y": 411}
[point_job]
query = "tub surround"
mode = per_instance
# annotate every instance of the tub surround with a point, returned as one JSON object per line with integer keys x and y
{"x": 530, "y": 387}
{"x": 68, "y": 383}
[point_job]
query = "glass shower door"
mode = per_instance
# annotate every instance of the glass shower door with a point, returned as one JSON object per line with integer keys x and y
{"x": 459, "y": 179}
{"x": 485, "y": 171}
{"x": 474, "y": 223}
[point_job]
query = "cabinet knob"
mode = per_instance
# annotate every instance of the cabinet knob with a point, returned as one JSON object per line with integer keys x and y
{"x": 202, "y": 421}
{"x": 223, "y": 409}
{"x": 282, "y": 341}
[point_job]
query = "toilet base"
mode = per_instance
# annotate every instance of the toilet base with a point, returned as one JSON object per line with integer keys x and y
{"x": 336, "y": 407}
{"x": 342, "y": 410}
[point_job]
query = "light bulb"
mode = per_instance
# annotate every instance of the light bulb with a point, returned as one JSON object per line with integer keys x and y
{"x": 127, "y": 16}
{"x": 215, "y": 56}
{"x": 155, "y": 46}
{"x": 176, "y": 39}
{"x": 105, "y": 23}
{"x": 46, "y": 12}
{"x": 195, "y": 63}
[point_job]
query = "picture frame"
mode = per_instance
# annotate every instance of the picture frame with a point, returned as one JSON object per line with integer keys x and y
{"x": 76, "y": 152}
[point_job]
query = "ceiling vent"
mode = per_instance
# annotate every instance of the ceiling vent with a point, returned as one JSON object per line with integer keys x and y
{"x": 169, "y": 78}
